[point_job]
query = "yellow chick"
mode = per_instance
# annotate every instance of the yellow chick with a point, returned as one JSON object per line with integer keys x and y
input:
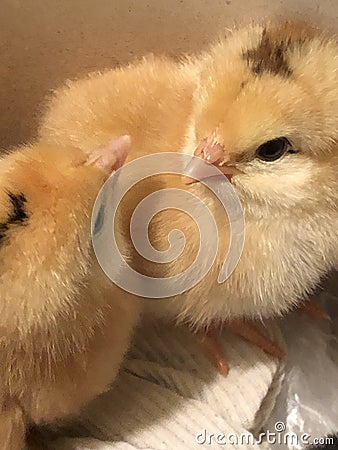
{"x": 64, "y": 328}
{"x": 262, "y": 105}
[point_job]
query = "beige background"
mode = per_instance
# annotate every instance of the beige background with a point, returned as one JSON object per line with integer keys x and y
{"x": 44, "y": 42}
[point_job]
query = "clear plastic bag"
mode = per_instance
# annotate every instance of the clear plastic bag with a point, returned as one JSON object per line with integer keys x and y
{"x": 308, "y": 403}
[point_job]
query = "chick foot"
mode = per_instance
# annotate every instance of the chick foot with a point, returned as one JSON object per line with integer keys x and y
{"x": 248, "y": 331}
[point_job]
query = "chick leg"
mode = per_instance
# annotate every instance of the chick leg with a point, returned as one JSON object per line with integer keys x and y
{"x": 248, "y": 331}
{"x": 313, "y": 311}
{"x": 214, "y": 352}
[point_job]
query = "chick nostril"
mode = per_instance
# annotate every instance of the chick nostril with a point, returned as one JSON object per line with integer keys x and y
{"x": 215, "y": 154}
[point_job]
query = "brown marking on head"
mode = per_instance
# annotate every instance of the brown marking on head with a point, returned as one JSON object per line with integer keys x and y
{"x": 271, "y": 55}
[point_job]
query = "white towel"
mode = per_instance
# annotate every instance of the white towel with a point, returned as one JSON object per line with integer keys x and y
{"x": 168, "y": 396}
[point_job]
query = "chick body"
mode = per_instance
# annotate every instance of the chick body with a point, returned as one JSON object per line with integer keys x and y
{"x": 64, "y": 329}
{"x": 260, "y": 83}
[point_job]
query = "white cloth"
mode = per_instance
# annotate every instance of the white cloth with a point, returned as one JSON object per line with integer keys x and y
{"x": 168, "y": 393}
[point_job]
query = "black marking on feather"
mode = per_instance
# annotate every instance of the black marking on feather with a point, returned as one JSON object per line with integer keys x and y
{"x": 3, "y": 229}
{"x": 19, "y": 213}
{"x": 17, "y": 216}
{"x": 269, "y": 56}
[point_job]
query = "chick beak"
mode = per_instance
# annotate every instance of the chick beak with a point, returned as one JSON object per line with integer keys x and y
{"x": 229, "y": 171}
{"x": 212, "y": 152}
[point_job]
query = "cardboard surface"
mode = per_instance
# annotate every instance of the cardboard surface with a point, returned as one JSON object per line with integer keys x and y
{"x": 44, "y": 42}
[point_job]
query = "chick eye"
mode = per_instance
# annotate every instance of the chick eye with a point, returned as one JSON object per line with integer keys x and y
{"x": 274, "y": 149}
